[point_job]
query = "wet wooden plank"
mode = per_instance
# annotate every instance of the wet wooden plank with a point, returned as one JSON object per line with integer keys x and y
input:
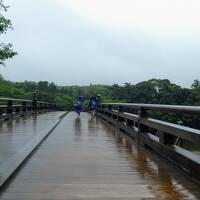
{"x": 8, "y": 168}
{"x": 81, "y": 191}
{"x": 14, "y": 134}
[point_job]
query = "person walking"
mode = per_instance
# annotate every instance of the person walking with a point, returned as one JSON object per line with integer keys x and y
{"x": 92, "y": 105}
{"x": 79, "y": 104}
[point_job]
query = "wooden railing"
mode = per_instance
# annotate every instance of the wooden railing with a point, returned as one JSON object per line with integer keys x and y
{"x": 10, "y": 108}
{"x": 133, "y": 123}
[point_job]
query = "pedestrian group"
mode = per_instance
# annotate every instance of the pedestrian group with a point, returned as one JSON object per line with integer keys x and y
{"x": 92, "y": 104}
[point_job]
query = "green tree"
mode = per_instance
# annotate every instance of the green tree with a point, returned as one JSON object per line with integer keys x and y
{"x": 196, "y": 84}
{"x": 52, "y": 87}
{"x": 5, "y": 24}
{"x": 1, "y": 78}
{"x": 43, "y": 85}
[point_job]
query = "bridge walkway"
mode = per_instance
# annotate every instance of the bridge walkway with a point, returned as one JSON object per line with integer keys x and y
{"x": 16, "y": 133}
{"x": 84, "y": 159}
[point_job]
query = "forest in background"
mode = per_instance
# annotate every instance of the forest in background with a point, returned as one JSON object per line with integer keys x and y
{"x": 155, "y": 91}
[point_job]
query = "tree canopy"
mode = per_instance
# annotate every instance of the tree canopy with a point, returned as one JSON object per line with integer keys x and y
{"x": 153, "y": 91}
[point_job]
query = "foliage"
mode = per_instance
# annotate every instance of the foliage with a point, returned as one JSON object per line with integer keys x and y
{"x": 5, "y": 24}
{"x": 196, "y": 84}
{"x": 155, "y": 91}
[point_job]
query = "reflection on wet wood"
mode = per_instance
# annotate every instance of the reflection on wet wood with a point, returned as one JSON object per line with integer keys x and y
{"x": 83, "y": 158}
{"x": 10, "y": 166}
{"x": 14, "y": 134}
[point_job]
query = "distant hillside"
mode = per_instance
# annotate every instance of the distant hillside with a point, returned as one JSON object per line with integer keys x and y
{"x": 152, "y": 91}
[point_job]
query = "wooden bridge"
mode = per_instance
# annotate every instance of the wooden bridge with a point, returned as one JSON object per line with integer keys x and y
{"x": 121, "y": 153}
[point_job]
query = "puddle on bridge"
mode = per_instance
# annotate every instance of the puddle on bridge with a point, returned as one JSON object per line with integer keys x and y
{"x": 84, "y": 158}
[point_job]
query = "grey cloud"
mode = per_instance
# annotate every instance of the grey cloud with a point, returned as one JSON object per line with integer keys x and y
{"x": 56, "y": 44}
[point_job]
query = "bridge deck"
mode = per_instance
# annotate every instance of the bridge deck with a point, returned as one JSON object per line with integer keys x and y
{"x": 14, "y": 134}
{"x": 84, "y": 159}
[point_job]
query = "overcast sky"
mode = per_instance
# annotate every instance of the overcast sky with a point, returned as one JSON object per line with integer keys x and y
{"x": 104, "y": 41}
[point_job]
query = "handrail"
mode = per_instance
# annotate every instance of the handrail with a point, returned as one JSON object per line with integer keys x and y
{"x": 11, "y": 107}
{"x": 167, "y": 139}
{"x": 21, "y": 100}
{"x": 160, "y": 107}
{"x": 17, "y": 100}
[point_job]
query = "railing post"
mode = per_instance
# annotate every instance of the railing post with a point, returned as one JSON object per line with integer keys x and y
{"x": 109, "y": 107}
{"x": 103, "y": 111}
{"x": 129, "y": 123}
{"x": 40, "y": 108}
{"x": 45, "y": 107}
{"x": 141, "y": 128}
{"x": 49, "y": 106}
{"x": 34, "y": 102}
{"x": 10, "y": 107}
{"x": 120, "y": 109}
{"x": 166, "y": 139}
{"x": 1, "y": 112}
{"x": 110, "y": 115}
{"x": 24, "y": 108}
{"x": 17, "y": 110}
